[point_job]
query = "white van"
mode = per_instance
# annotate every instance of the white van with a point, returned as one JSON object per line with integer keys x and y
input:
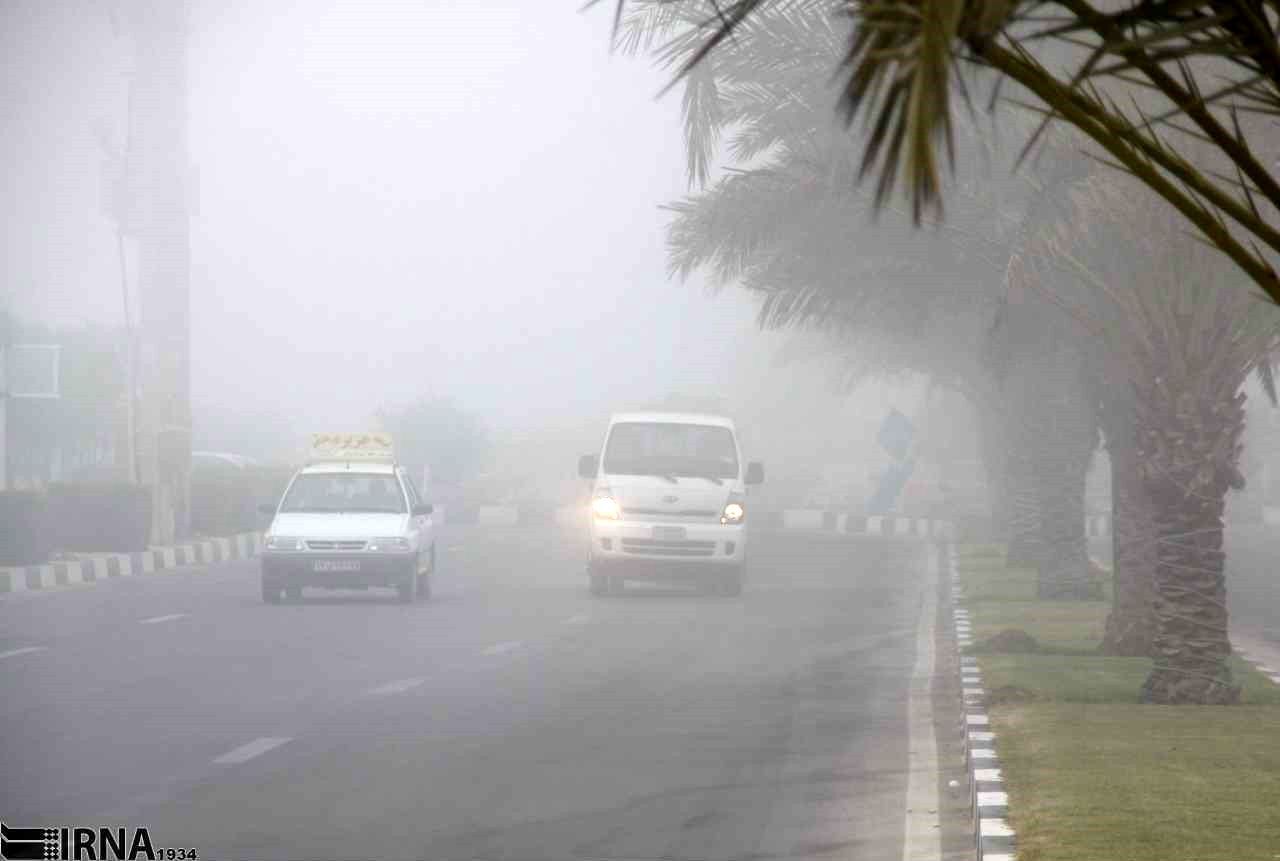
{"x": 669, "y": 503}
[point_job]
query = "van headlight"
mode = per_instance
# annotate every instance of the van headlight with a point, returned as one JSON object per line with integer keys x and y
{"x": 280, "y": 542}
{"x": 606, "y": 508}
{"x": 388, "y": 545}
{"x": 733, "y": 513}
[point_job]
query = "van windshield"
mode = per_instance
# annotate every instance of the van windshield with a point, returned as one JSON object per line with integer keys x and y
{"x": 663, "y": 448}
{"x": 345, "y": 491}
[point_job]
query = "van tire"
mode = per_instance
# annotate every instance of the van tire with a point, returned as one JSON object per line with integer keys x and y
{"x": 731, "y": 584}
{"x": 270, "y": 593}
{"x": 293, "y": 593}
{"x": 599, "y": 584}
{"x": 407, "y": 590}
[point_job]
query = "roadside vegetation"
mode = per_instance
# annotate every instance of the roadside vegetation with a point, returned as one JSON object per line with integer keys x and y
{"x": 1091, "y": 771}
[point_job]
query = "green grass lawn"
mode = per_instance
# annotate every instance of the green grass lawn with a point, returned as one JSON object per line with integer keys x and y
{"x": 1104, "y": 782}
{"x": 1095, "y": 776}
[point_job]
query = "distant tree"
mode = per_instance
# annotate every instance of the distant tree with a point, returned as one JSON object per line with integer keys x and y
{"x": 441, "y": 435}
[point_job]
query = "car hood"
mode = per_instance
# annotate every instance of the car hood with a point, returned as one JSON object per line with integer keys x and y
{"x": 346, "y": 525}
{"x": 655, "y": 494}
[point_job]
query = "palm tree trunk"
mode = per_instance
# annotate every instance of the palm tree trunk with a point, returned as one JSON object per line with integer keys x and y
{"x": 1022, "y": 505}
{"x": 1190, "y": 449}
{"x": 1130, "y": 624}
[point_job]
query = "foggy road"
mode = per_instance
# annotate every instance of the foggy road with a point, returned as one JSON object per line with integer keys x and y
{"x": 512, "y": 717}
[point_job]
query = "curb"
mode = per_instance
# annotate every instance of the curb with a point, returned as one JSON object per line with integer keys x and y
{"x": 988, "y": 799}
{"x": 108, "y": 566}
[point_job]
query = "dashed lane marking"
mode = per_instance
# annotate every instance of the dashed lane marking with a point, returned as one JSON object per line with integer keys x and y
{"x": 396, "y": 687}
{"x": 246, "y": 752}
{"x": 157, "y": 619}
{"x": 501, "y": 648}
{"x": 576, "y": 620}
{"x": 26, "y": 650}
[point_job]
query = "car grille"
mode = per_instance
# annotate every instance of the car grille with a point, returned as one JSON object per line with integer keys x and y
{"x": 654, "y": 547}
{"x": 335, "y": 545}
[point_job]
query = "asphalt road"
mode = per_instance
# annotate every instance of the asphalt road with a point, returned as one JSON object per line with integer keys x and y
{"x": 1253, "y": 581}
{"x": 512, "y": 717}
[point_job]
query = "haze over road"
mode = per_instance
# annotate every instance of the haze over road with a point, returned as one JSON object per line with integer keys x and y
{"x": 512, "y": 717}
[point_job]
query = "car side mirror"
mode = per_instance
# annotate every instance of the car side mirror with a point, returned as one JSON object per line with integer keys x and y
{"x": 422, "y": 509}
{"x": 588, "y": 466}
{"x": 755, "y": 473}
{"x": 267, "y": 508}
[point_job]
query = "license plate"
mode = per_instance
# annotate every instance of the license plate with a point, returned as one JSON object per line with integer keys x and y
{"x": 321, "y": 565}
{"x": 668, "y": 533}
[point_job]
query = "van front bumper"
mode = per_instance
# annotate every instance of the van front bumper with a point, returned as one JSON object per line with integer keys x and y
{"x": 337, "y": 571}
{"x": 648, "y": 546}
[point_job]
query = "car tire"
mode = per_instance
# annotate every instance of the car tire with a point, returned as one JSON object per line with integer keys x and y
{"x": 731, "y": 585}
{"x": 424, "y": 577}
{"x": 270, "y": 593}
{"x": 293, "y": 593}
{"x": 407, "y": 591}
{"x": 617, "y": 585}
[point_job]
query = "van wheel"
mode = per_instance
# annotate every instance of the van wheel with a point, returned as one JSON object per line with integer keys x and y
{"x": 270, "y": 593}
{"x": 599, "y": 584}
{"x": 731, "y": 585}
{"x": 293, "y": 593}
{"x": 617, "y": 585}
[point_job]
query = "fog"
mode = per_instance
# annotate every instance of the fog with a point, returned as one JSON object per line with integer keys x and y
{"x": 394, "y": 199}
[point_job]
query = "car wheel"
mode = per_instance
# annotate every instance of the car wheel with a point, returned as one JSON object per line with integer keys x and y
{"x": 407, "y": 591}
{"x": 270, "y": 593}
{"x": 424, "y": 577}
{"x": 293, "y": 593}
{"x": 617, "y": 585}
{"x": 732, "y": 583}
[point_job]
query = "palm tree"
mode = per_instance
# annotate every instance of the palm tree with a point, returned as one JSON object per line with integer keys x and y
{"x": 789, "y": 228}
{"x": 1189, "y": 72}
{"x": 1183, "y": 335}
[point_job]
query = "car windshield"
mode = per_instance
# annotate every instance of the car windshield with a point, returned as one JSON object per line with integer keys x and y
{"x": 345, "y": 492}
{"x": 670, "y": 449}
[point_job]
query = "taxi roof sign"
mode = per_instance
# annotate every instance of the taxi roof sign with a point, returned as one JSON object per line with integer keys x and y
{"x": 352, "y": 446}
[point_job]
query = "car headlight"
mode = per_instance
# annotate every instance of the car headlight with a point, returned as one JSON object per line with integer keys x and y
{"x": 279, "y": 542}
{"x": 389, "y": 545}
{"x": 733, "y": 512}
{"x": 606, "y": 508}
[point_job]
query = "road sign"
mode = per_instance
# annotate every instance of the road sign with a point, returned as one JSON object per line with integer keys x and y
{"x": 896, "y": 433}
{"x": 30, "y": 370}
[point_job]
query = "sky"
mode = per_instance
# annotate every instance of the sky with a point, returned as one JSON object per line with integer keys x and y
{"x": 395, "y": 198}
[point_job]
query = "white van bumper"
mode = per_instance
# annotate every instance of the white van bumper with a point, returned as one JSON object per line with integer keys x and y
{"x": 692, "y": 545}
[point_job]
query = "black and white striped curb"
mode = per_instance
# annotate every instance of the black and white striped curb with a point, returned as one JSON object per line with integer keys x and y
{"x": 990, "y": 802}
{"x": 107, "y": 566}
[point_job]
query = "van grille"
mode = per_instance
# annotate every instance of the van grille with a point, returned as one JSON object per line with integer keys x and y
{"x": 653, "y": 547}
{"x": 335, "y": 545}
{"x": 687, "y": 512}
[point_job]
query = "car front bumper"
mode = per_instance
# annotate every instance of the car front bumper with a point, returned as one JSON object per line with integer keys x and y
{"x": 336, "y": 570}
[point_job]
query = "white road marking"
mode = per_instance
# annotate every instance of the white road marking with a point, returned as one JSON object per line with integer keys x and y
{"x": 13, "y": 653}
{"x": 576, "y": 620}
{"x": 499, "y": 648}
{"x": 156, "y": 619}
{"x": 922, "y": 839}
{"x": 246, "y": 752}
{"x": 396, "y": 687}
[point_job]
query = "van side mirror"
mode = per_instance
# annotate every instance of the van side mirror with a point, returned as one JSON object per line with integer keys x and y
{"x": 755, "y": 473}
{"x": 588, "y": 466}
{"x": 422, "y": 509}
